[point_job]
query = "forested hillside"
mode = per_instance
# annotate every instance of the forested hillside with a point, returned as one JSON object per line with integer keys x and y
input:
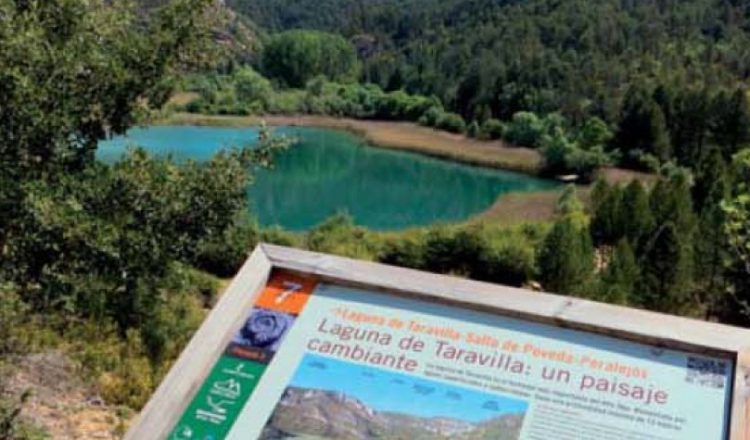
{"x": 653, "y": 85}
{"x": 673, "y": 62}
{"x": 502, "y": 56}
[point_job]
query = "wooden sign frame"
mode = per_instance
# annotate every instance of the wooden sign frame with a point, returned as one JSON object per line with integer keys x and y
{"x": 172, "y": 397}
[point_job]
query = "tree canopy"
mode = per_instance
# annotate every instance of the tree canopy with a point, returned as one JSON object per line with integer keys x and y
{"x": 295, "y": 57}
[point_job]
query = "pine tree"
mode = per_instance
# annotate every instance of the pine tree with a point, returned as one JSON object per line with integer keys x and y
{"x": 711, "y": 249}
{"x": 690, "y": 128}
{"x": 607, "y": 224}
{"x": 599, "y": 193}
{"x": 711, "y": 179}
{"x": 658, "y": 135}
{"x": 570, "y": 207}
{"x": 711, "y": 246}
{"x": 643, "y": 126}
{"x": 637, "y": 220}
{"x": 671, "y": 201}
{"x": 618, "y": 281}
{"x": 667, "y": 265}
{"x": 664, "y": 96}
{"x": 666, "y": 256}
{"x": 736, "y": 209}
{"x": 731, "y": 121}
{"x": 566, "y": 259}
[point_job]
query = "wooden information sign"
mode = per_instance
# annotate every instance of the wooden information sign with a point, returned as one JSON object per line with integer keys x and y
{"x": 311, "y": 346}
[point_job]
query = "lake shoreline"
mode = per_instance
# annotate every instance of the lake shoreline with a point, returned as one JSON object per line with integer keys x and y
{"x": 406, "y": 136}
{"x": 531, "y": 206}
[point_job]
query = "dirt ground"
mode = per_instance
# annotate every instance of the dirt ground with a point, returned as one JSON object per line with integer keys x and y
{"x": 60, "y": 403}
{"x": 540, "y": 206}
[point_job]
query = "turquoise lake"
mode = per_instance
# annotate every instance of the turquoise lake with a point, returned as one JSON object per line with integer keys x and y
{"x": 330, "y": 171}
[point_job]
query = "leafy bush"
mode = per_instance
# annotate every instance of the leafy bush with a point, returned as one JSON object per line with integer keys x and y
{"x": 399, "y": 105}
{"x": 404, "y": 251}
{"x": 452, "y": 122}
{"x": 125, "y": 370}
{"x": 641, "y": 160}
{"x": 339, "y": 235}
{"x": 525, "y": 129}
{"x": 277, "y": 235}
{"x": 556, "y": 148}
{"x": 287, "y": 102}
{"x": 132, "y": 380}
{"x": 586, "y": 162}
{"x": 223, "y": 254}
{"x": 13, "y": 312}
{"x": 510, "y": 262}
{"x": 563, "y": 155}
{"x": 251, "y": 88}
{"x": 492, "y": 129}
{"x": 99, "y": 242}
{"x": 490, "y": 253}
{"x": 594, "y": 133}
{"x": 431, "y": 116}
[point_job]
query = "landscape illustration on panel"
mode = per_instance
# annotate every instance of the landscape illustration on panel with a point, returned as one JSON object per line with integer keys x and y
{"x": 331, "y": 399}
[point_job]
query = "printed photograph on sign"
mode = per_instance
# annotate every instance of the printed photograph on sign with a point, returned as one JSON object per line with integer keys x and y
{"x": 333, "y": 399}
{"x": 261, "y": 335}
{"x": 264, "y": 329}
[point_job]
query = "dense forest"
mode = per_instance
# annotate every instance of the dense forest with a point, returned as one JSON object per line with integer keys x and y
{"x": 115, "y": 265}
{"x": 496, "y": 57}
{"x": 639, "y": 84}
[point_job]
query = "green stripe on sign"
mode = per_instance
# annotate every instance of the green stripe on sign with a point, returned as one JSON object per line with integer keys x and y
{"x": 219, "y": 401}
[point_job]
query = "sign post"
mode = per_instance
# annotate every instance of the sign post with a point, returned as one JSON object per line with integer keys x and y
{"x": 306, "y": 345}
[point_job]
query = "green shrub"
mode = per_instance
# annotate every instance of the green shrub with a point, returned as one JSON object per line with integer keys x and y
{"x": 586, "y": 162}
{"x": 642, "y": 160}
{"x": 169, "y": 328}
{"x": 132, "y": 381}
{"x": 222, "y": 255}
{"x": 287, "y": 102}
{"x": 431, "y": 116}
{"x": 525, "y": 129}
{"x": 496, "y": 254}
{"x": 594, "y": 133}
{"x": 339, "y": 235}
{"x": 277, "y": 235}
{"x": 200, "y": 105}
{"x": 556, "y": 148}
{"x": 452, "y": 122}
{"x": 492, "y": 129}
{"x": 399, "y": 105}
{"x": 404, "y": 251}
{"x": 251, "y": 88}
{"x": 13, "y": 313}
{"x": 510, "y": 263}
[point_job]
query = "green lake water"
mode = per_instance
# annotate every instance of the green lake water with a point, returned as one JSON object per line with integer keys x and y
{"x": 330, "y": 171}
